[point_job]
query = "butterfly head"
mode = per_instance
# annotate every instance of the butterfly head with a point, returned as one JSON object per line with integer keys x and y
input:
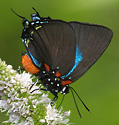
{"x": 35, "y": 16}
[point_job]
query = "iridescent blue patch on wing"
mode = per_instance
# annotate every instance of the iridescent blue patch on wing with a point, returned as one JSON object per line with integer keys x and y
{"x": 78, "y": 58}
{"x": 36, "y": 62}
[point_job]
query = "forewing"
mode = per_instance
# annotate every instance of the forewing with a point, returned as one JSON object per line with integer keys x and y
{"x": 92, "y": 41}
{"x": 56, "y": 45}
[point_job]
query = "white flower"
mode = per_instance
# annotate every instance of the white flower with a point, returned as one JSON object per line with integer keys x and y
{"x": 29, "y": 121}
{"x": 8, "y": 100}
{"x": 3, "y": 72}
{"x": 14, "y": 118}
{"x": 51, "y": 114}
{"x": 67, "y": 113}
{"x": 12, "y": 71}
{"x": 34, "y": 101}
{"x": 30, "y": 97}
{"x": 1, "y": 88}
{"x": 13, "y": 81}
{"x": 4, "y": 105}
{"x": 24, "y": 79}
{"x": 65, "y": 121}
{"x": 9, "y": 67}
{"x": 23, "y": 90}
{"x": 54, "y": 117}
{"x": 2, "y": 83}
{"x": 45, "y": 99}
{"x": 23, "y": 107}
{"x": 42, "y": 120}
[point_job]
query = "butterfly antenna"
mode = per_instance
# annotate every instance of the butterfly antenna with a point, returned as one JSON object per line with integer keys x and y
{"x": 80, "y": 100}
{"x": 61, "y": 102}
{"x": 75, "y": 102}
{"x": 36, "y": 11}
{"x": 17, "y": 14}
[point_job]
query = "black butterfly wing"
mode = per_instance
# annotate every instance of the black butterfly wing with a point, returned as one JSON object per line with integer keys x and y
{"x": 37, "y": 48}
{"x": 92, "y": 41}
{"x": 54, "y": 43}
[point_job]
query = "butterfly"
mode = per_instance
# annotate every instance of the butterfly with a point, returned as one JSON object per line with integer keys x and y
{"x": 60, "y": 52}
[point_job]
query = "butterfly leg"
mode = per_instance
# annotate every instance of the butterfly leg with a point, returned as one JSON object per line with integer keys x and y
{"x": 36, "y": 82}
{"x": 18, "y": 70}
{"x": 38, "y": 89}
{"x": 54, "y": 100}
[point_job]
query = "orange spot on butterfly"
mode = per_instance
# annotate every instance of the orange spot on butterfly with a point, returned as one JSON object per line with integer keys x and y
{"x": 58, "y": 74}
{"x": 47, "y": 67}
{"x": 28, "y": 65}
{"x": 66, "y": 82}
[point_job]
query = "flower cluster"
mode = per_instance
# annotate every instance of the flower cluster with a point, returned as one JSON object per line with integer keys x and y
{"x": 23, "y": 107}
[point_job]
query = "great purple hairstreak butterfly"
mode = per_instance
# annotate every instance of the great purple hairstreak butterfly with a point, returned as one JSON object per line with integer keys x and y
{"x": 60, "y": 52}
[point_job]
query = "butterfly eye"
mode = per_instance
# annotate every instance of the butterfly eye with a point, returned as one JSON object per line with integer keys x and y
{"x": 25, "y": 23}
{"x": 35, "y": 17}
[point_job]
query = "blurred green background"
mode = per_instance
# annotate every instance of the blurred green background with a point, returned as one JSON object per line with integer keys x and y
{"x": 99, "y": 87}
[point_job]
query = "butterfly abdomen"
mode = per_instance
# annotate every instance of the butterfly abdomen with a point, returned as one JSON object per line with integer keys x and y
{"x": 28, "y": 64}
